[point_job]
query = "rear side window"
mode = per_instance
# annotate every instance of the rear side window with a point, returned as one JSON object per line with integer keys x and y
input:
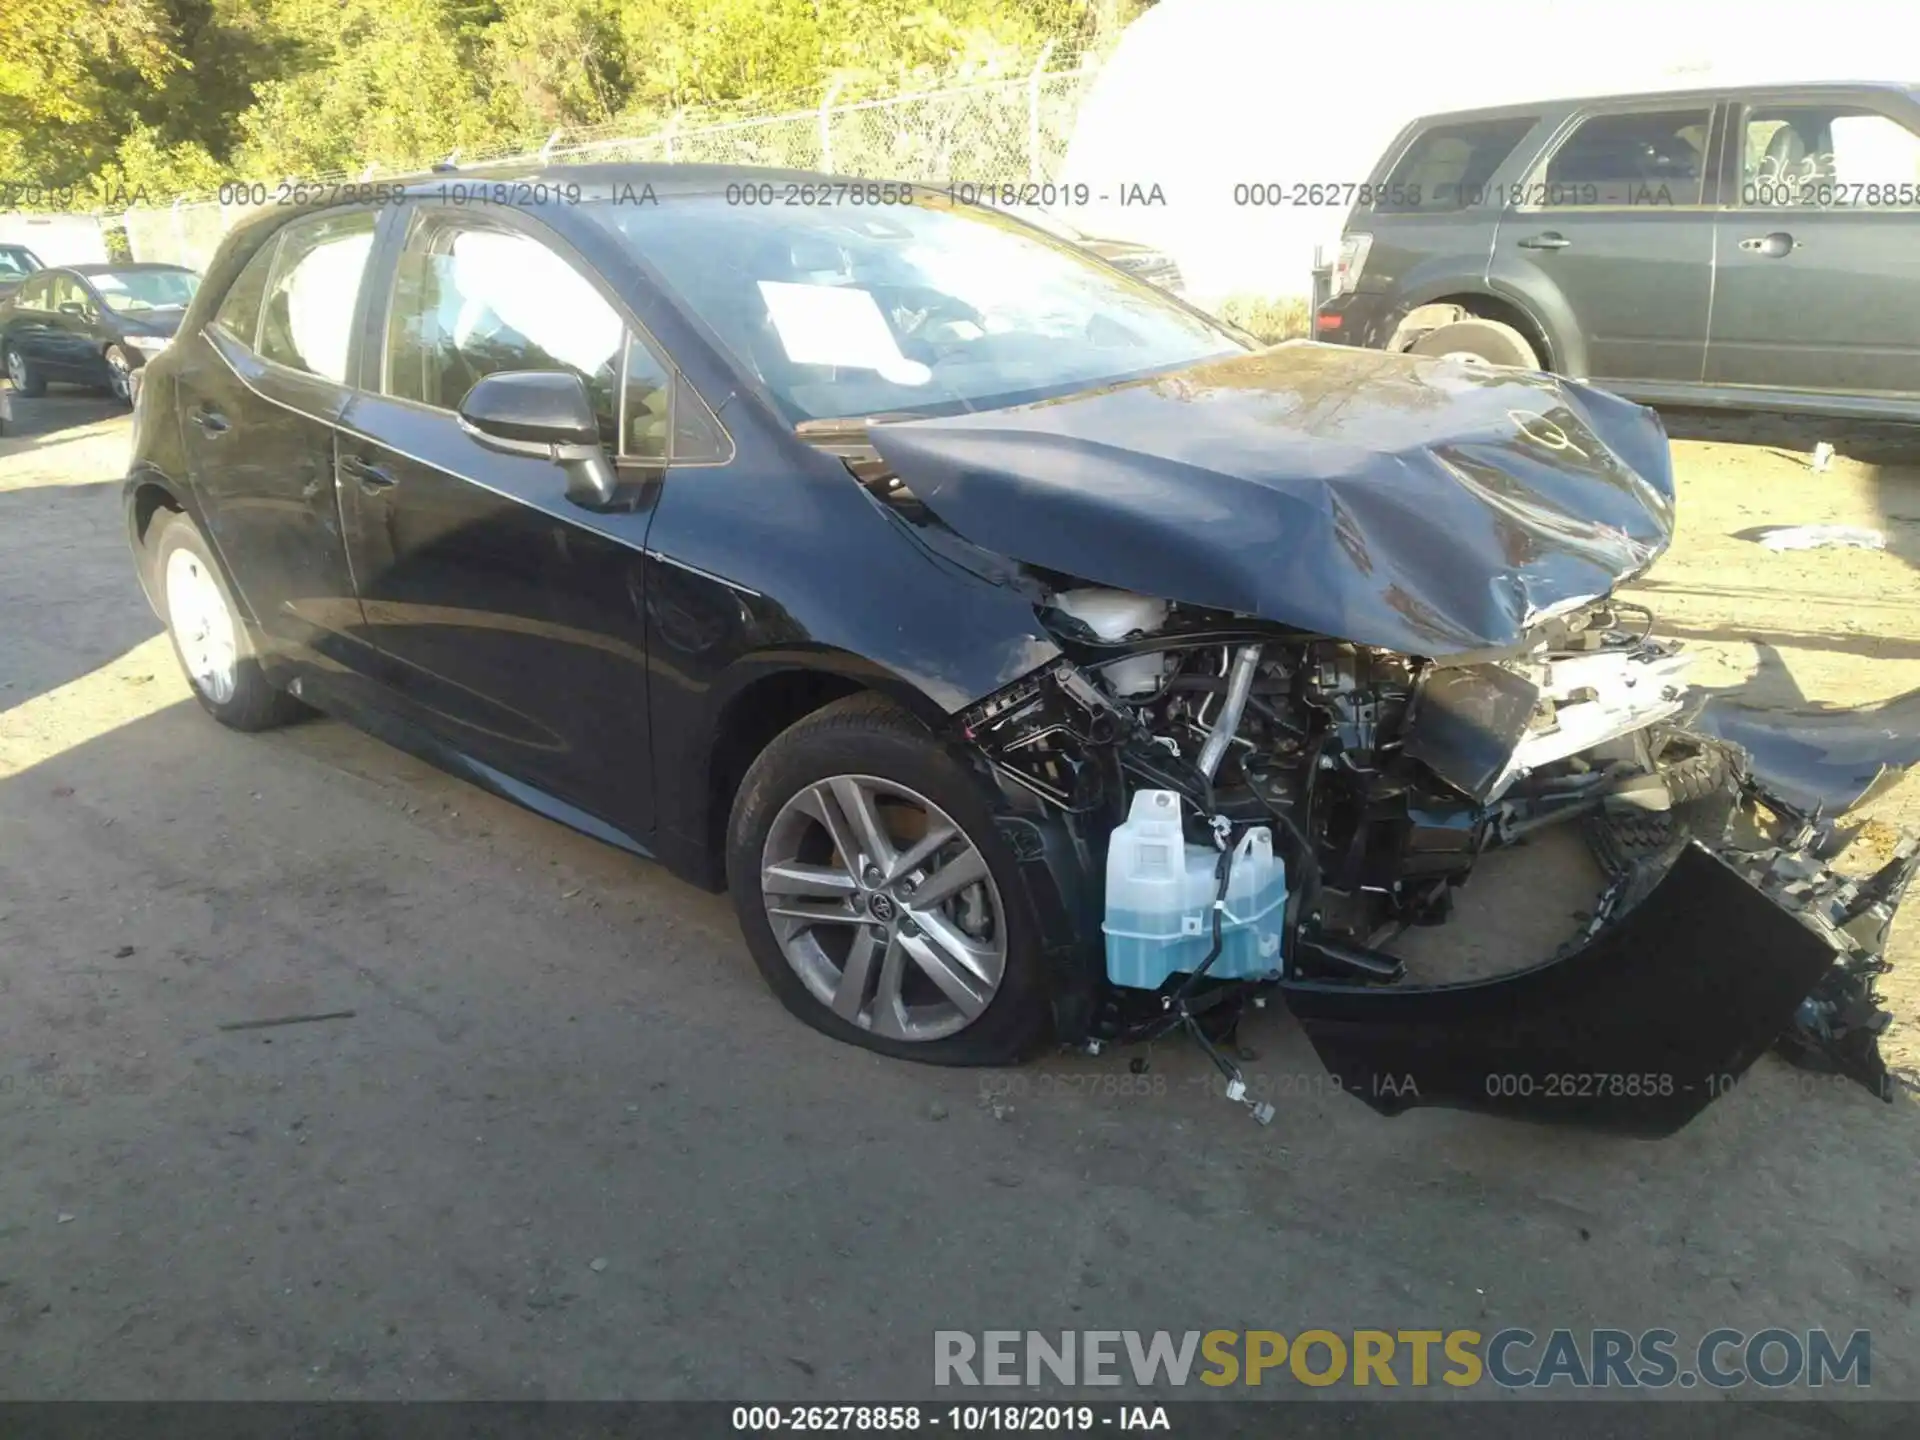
{"x": 1651, "y": 157}
{"x": 307, "y": 318}
{"x": 1448, "y": 167}
{"x": 239, "y": 313}
{"x": 1827, "y": 157}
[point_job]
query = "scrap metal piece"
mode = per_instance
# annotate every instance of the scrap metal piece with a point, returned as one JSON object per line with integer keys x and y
{"x": 1827, "y": 758}
{"x": 1837, "y": 1028}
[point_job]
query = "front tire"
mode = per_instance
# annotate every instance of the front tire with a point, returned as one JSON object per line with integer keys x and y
{"x": 210, "y": 639}
{"x": 119, "y": 375}
{"x": 877, "y": 896}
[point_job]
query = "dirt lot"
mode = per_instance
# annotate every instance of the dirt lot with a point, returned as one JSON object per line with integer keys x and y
{"x": 566, "y": 1145}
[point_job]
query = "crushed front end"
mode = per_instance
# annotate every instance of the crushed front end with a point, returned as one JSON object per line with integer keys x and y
{"x": 1722, "y": 930}
{"x": 1332, "y": 624}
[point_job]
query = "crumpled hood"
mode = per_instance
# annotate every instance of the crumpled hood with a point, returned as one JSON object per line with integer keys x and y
{"x": 1418, "y": 505}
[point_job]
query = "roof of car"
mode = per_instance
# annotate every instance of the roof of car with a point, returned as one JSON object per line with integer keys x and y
{"x": 119, "y": 267}
{"x": 663, "y": 177}
{"x": 1695, "y": 92}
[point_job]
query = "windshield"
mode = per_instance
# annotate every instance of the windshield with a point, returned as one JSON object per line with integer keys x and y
{"x": 925, "y": 309}
{"x": 16, "y": 261}
{"x": 125, "y": 291}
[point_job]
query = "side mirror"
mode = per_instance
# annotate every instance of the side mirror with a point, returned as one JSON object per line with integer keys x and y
{"x": 543, "y": 415}
{"x": 74, "y": 308}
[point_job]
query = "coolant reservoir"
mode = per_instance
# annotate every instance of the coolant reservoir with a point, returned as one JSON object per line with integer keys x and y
{"x": 1114, "y": 615}
{"x": 1160, "y": 894}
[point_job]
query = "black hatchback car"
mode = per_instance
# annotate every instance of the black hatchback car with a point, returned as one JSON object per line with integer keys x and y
{"x": 91, "y": 324}
{"x": 968, "y": 607}
{"x": 1736, "y": 248}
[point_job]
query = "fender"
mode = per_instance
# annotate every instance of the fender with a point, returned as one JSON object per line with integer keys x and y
{"x": 1547, "y": 309}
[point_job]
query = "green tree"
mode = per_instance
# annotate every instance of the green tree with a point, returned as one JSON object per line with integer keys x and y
{"x": 380, "y": 82}
{"x": 68, "y": 73}
{"x": 553, "y": 63}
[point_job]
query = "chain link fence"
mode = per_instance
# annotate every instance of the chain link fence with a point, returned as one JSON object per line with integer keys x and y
{"x": 992, "y": 132}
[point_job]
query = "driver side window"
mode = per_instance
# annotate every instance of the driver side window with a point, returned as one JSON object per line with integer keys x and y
{"x": 68, "y": 291}
{"x": 471, "y": 299}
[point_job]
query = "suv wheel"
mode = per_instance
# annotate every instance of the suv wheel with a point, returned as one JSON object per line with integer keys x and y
{"x": 1479, "y": 342}
{"x": 876, "y": 894}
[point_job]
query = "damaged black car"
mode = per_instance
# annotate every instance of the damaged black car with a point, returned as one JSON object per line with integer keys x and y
{"x": 1035, "y": 658}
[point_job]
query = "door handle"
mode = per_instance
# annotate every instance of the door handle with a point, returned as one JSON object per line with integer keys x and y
{"x": 1773, "y": 245}
{"x": 210, "y": 420}
{"x": 1552, "y": 240}
{"x": 371, "y": 477}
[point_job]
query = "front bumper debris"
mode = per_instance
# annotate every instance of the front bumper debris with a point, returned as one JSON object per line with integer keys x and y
{"x": 1698, "y": 960}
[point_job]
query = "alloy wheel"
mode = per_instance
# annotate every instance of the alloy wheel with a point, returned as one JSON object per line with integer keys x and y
{"x": 884, "y": 908}
{"x": 202, "y": 626}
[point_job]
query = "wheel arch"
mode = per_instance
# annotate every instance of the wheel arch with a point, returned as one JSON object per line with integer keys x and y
{"x": 1447, "y": 305}
{"x": 758, "y": 699}
{"x": 148, "y": 493}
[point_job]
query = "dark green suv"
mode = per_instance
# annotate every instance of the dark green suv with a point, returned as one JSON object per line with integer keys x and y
{"x": 1753, "y": 249}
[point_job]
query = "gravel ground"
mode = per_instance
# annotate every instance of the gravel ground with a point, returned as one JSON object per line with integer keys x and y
{"x": 565, "y": 1145}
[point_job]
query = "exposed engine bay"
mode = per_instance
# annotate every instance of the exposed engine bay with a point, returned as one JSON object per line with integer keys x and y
{"x": 1383, "y": 778}
{"x": 1330, "y": 625}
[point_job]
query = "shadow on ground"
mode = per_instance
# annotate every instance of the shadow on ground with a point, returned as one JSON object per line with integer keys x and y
{"x": 84, "y": 612}
{"x": 44, "y": 420}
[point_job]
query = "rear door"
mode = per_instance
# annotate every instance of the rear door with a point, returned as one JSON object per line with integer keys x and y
{"x": 259, "y": 392}
{"x": 1818, "y": 248}
{"x": 1610, "y": 240}
{"x": 1432, "y": 209}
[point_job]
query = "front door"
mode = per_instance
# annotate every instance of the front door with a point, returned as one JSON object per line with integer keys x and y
{"x": 1610, "y": 232}
{"x": 511, "y": 619}
{"x": 259, "y": 391}
{"x": 1819, "y": 253}
{"x": 69, "y": 347}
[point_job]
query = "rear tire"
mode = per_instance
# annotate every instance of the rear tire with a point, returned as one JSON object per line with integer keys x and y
{"x": 25, "y": 375}
{"x": 1486, "y": 342}
{"x": 886, "y": 966}
{"x": 210, "y": 638}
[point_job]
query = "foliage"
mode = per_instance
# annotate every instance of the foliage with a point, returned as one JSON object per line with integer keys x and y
{"x": 165, "y": 96}
{"x": 1268, "y": 317}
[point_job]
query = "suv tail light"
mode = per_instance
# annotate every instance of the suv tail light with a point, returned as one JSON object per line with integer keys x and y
{"x": 1353, "y": 259}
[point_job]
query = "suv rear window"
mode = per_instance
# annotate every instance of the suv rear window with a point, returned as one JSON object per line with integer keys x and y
{"x": 1448, "y": 167}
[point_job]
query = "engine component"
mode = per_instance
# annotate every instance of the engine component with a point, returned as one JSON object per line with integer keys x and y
{"x": 1239, "y": 685}
{"x": 1041, "y": 733}
{"x": 1113, "y": 615}
{"x": 1482, "y": 728}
